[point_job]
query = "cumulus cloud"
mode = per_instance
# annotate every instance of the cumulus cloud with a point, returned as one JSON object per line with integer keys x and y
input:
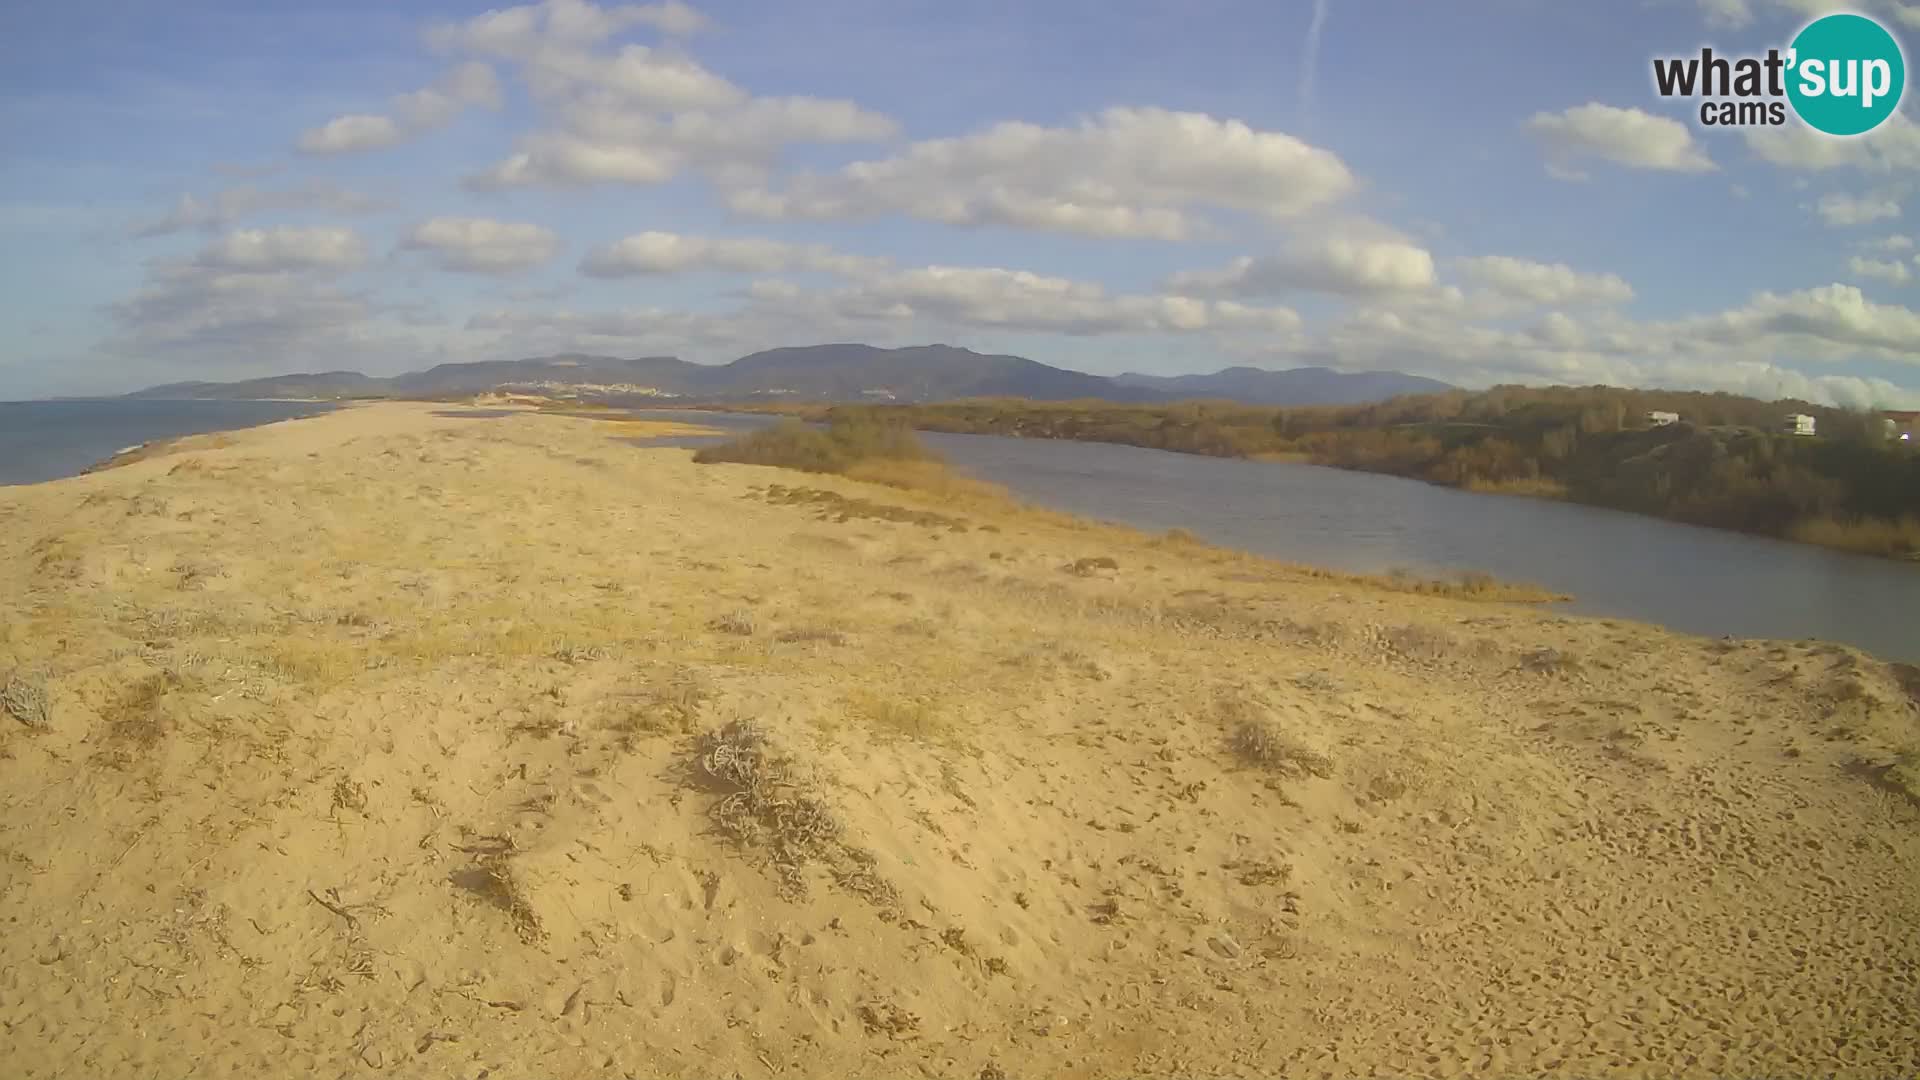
{"x": 1546, "y": 284}
{"x": 1894, "y": 273}
{"x": 267, "y": 251}
{"x": 1126, "y": 172}
{"x": 1326, "y": 265}
{"x": 602, "y": 144}
{"x": 351, "y": 134}
{"x": 628, "y": 113}
{"x": 1845, "y": 211}
{"x": 1895, "y": 243}
{"x": 263, "y": 301}
{"x": 517, "y": 31}
{"x": 232, "y": 204}
{"x": 483, "y": 246}
{"x": 214, "y": 317}
{"x": 657, "y": 253}
{"x": 469, "y": 84}
{"x": 1737, "y": 14}
{"x": 1833, "y": 315}
{"x": 1629, "y": 137}
{"x": 1892, "y": 147}
{"x": 991, "y": 297}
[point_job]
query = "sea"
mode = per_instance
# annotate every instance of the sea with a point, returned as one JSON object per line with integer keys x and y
{"x": 46, "y": 440}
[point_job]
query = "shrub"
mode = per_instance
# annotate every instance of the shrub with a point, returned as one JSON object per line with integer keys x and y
{"x": 835, "y": 448}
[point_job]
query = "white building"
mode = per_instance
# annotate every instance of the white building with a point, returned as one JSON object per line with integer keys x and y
{"x": 1662, "y": 419}
{"x": 1799, "y": 424}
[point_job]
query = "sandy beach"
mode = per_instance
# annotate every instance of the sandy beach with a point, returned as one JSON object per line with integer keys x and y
{"x": 420, "y": 741}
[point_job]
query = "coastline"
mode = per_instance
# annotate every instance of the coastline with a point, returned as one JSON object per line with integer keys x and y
{"x": 45, "y": 441}
{"x": 388, "y": 723}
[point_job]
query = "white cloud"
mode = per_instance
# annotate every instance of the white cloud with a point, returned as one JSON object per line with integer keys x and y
{"x": 995, "y": 298}
{"x": 655, "y": 253}
{"x": 1844, "y": 211}
{"x": 1629, "y": 137}
{"x": 1326, "y": 265}
{"x": 351, "y": 134}
{"x": 268, "y": 301}
{"x": 1124, "y": 173}
{"x": 227, "y": 206}
{"x": 469, "y": 84}
{"x": 1892, "y": 147}
{"x": 1736, "y": 14}
{"x": 1894, "y": 243}
{"x": 601, "y": 144}
{"x": 637, "y": 114}
{"x": 483, "y": 246}
{"x": 1838, "y": 316}
{"x": 516, "y": 31}
{"x": 266, "y": 251}
{"x": 1895, "y": 273}
{"x": 1546, "y": 284}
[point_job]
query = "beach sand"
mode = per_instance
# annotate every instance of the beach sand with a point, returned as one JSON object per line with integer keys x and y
{"x": 381, "y": 743}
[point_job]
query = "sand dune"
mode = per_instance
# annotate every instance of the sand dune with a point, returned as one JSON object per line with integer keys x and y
{"x": 396, "y": 741}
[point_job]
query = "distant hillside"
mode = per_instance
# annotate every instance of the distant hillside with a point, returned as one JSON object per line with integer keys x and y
{"x": 324, "y": 385}
{"x": 836, "y": 372}
{"x": 1298, "y": 386}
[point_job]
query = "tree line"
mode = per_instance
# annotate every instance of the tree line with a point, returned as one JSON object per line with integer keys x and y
{"x": 1728, "y": 462}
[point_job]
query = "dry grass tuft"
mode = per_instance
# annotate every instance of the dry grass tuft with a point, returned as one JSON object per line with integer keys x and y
{"x": 1899, "y": 777}
{"x": 886, "y": 1018}
{"x": 738, "y": 622}
{"x": 25, "y": 699}
{"x": 929, "y": 478}
{"x": 671, "y": 704}
{"x": 1549, "y": 661}
{"x": 1260, "y": 743}
{"x": 763, "y": 804}
{"x": 136, "y": 722}
{"x": 495, "y": 881}
{"x": 897, "y": 717}
{"x": 1870, "y": 536}
{"x": 800, "y": 635}
{"x": 838, "y": 508}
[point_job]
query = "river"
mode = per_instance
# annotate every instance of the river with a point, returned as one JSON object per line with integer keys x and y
{"x": 1699, "y": 580}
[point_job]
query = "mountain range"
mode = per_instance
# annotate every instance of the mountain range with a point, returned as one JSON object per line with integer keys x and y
{"x": 843, "y": 372}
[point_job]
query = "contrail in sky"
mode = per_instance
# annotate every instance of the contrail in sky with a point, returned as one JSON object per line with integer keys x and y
{"x": 1310, "y": 64}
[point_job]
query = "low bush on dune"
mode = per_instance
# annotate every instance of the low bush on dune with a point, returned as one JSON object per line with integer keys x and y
{"x": 835, "y": 448}
{"x": 858, "y": 447}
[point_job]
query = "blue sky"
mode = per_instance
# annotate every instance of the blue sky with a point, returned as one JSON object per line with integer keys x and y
{"x": 1485, "y": 192}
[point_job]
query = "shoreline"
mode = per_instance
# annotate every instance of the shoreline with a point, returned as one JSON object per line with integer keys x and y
{"x": 582, "y": 757}
{"x": 1858, "y": 537}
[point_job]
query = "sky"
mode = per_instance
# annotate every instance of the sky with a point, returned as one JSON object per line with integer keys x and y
{"x": 1484, "y": 192}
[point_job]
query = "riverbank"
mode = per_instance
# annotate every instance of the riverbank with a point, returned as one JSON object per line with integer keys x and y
{"x": 1555, "y": 443}
{"x": 435, "y": 740}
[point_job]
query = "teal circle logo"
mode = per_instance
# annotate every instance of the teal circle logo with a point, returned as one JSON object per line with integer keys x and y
{"x": 1845, "y": 74}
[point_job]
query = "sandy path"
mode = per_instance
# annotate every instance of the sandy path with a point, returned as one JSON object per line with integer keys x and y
{"x": 370, "y": 748}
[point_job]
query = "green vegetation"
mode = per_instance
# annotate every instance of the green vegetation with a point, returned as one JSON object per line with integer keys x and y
{"x": 1726, "y": 464}
{"x": 836, "y": 448}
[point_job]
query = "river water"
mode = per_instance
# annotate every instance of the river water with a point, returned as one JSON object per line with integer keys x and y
{"x": 1703, "y": 581}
